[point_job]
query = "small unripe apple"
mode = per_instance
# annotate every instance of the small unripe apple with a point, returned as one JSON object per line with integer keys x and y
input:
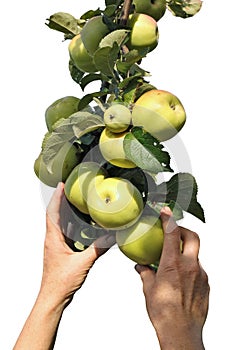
{"x": 142, "y": 242}
{"x": 160, "y": 113}
{"x": 111, "y": 147}
{"x": 153, "y": 8}
{"x": 117, "y": 118}
{"x": 115, "y": 203}
{"x": 61, "y": 108}
{"x": 63, "y": 163}
{"x": 81, "y": 179}
{"x": 144, "y": 32}
{"x": 79, "y": 55}
{"x": 93, "y": 31}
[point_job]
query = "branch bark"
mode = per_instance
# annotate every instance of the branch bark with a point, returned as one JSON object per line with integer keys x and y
{"x": 125, "y": 12}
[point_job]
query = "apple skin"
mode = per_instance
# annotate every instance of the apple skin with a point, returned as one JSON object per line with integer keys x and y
{"x": 79, "y": 55}
{"x": 81, "y": 179}
{"x": 142, "y": 242}
{"x": 92, "y": 33}
{"x": 61, "y": 108}
{"x": 65, "y": 160}
{"x": 160, "y": 113}
{"x": 111, "y": 147}
{"x": 115, "y": 203}
{"x": 153, "y": 8}
{"x": 117, "y": 118}
{"x": 144, "y": 32}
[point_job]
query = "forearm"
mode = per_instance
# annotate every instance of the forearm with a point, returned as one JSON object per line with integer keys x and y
{"x": 40, "y": 329}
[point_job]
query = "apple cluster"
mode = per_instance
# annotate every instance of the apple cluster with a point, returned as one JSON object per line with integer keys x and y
{"x": 107, "y": 146}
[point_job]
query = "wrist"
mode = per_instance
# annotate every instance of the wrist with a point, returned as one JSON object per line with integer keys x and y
{"x": 178, "y": 336}
{"x": 51, "y": 302}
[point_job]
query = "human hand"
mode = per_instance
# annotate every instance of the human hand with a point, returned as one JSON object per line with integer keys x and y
{"x": 177, "y": 295}
{"x": 65, "y": 270}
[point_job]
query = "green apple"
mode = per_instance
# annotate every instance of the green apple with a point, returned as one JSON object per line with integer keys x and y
{"x": 160, "y": 113}
{"x": 153, "y": 8}
{"x": 93, "y": 32}
{"x": 81, "y": 58}
{"x": 63, "y": 163}
{"x": 117, "y": 118}
{"x": 111, "y": 147}
{"x": 144, "y": 32}
{"x": 115, "y": 203}
{"x": 61, "y": 108}
{"x": 142, "y": 242}
{"x": 80, "y": 180}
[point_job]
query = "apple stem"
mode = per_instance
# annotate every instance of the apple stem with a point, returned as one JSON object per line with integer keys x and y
{"x": 125, "y": 12}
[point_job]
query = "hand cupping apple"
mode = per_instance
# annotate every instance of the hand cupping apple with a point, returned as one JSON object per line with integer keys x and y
{"x": 106, "y": 145}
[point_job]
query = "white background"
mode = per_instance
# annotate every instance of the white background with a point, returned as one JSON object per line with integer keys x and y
{"x": 194, "y": 61}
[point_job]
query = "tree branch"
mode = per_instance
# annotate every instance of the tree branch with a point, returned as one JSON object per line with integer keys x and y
{"x": 125, "y": 12}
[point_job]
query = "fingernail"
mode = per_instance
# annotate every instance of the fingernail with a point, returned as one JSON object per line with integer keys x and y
{"x": 166, "y": 210}
{"x": 60, "y": 186}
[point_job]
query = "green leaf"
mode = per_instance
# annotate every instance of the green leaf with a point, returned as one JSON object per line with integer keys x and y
{"x": 64, "y": 22}
{"x": 84, "y": 126}
{"x": 184, "y": 8}
{"x": 181, "y": 189}
{"x": 91, "y": 13}
{"x": 89, "y": 78}
{"x": 75, "y": 73}
{"x": 113, "y": 2}
{"x": 117, "y": 36}
{"x": 75, "y": 125}
{"x": 105, "y": 59}
{"x": 146, "y": 152}
{"x": 89, "y": 98}
{"x": 110, "y": 10}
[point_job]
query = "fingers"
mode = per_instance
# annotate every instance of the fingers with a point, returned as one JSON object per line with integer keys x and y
{"x": 146, "y": 274}
{"x": 99, "y": 247}
{"x": 53, "y": 209}
{"x": 191, "y": 243}
{"x": 172, "y": 234}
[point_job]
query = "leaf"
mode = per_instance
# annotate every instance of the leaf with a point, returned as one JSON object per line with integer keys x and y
{"x": 91, "y": 13}
{"x": 145, "y": 151}
{"x": 75, "y": 73}
{"x": 184, "y": 8}
{"x": 110, "y": 10}
{"x": 84, "y": 126}
{"x": 64, "y": 22}
{"x": 85, "y": 100}
{"x": 181, "y": 189}
{"x": 105, "y": 59}
{"x": 87, "y": 79}
{"x": 128, "y": 60}
{"x": 117, "y": 36}
{"x": 74, "y": 126}
{"x": 113, "y": 2}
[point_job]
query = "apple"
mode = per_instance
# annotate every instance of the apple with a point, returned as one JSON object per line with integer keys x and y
{"x": 115, "y": 203}
{"x": 142, "y": 242}
{"x": 160, "y": 113}
{"x": 117, "y": 118}
{"x": 144, "y": 32}
{"x": 79, "y": 55}
{"x": 61, "y": 108}
{"x": 83, "y": 177}
{"x": 111, "y": 148}
{"x": 153, "y": 8}
{"x": 93, "y": 32}
{"x": 63, "y": 163}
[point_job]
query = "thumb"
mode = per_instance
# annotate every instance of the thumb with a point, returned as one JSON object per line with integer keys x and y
{"x": 100, "y": 246}
{"x": 147, "y": 275}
